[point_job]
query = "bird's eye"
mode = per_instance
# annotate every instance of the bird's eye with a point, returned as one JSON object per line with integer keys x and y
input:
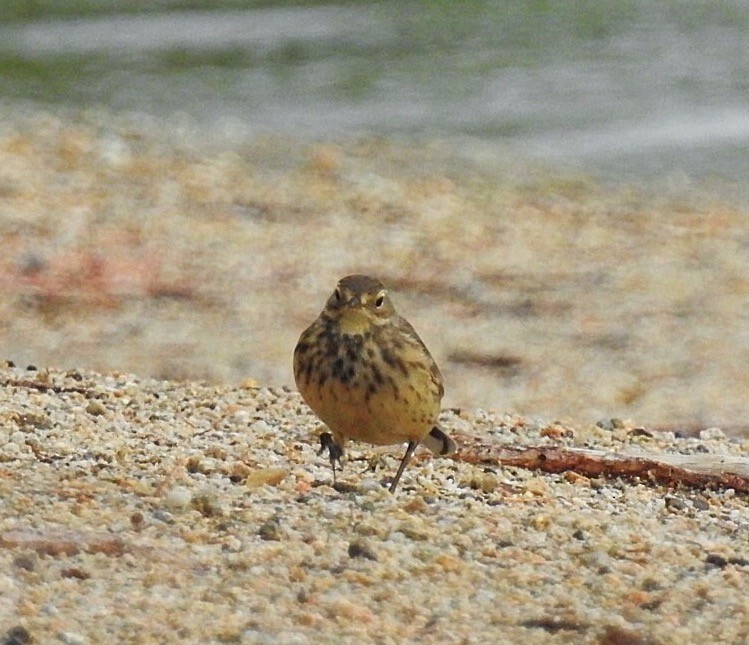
{"x": 337, "y": 294}
{"x": 380, "y": 301}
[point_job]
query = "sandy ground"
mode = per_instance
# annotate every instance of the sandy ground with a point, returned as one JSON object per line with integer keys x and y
{"x": 140, "y": 246}
{"x": 194, "y": 508}
{"x": 143, "y": 511}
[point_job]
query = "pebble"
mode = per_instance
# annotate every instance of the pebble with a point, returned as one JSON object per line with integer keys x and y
{"x": 260, "y": 427}
{"x": 178, "y": 497}
{"x": 162, "y": 516}
{"x": 675, "y": 503}
{"x": 369, "y": 485}
{"x": 17, "y": 636}
{"x": 232, "y": 544}
{"x": 27, "y": 561}
{"x": 271, "y": 530}
{"x": 96, "y": 408}
{"x": 700, "y": 504}
{"x": 266, "y": 477}
{"x": 485, "y": 482}
{"x": 360, "y": 549}
{"x": 537, "y": 486}
{"x": 207, "y": 502}
{"x": 712, "y": 434}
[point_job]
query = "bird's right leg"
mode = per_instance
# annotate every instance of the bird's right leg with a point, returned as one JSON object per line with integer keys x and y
{"x": 335, "y": 452}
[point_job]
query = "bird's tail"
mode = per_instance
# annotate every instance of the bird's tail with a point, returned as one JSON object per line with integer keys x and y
{"x": 438, "y": 442}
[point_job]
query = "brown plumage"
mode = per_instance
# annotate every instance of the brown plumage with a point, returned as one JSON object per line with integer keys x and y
{"x": 365, "y": 372}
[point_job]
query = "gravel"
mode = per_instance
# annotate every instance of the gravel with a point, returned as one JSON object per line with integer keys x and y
{"x": 142, "y": 511}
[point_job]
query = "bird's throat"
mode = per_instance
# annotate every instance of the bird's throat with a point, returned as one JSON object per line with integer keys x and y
{"x": 354, "y": 321}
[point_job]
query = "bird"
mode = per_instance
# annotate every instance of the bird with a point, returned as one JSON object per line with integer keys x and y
{"x": 364, "y": 371}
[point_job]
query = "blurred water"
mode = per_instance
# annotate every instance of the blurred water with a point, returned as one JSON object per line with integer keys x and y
{"x": 628, "y": 89}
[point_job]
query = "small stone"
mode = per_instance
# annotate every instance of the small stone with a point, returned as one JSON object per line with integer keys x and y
{"x": 597, "y": 560}
{"x": 217, "y": 452}
{"x": 71, "y": 638}
{"x": 271, "y": 530}
{"x": 75, "y": 572}
{"x": 650, "y": 584}
{"x": 30, "y": 420}
{"x": 716, "y": 560}
{"x": 350, "y": 610}
{"x": 449, "y": 562}
{"x": 576, "y": 478}
{"x": 700, "y": 504}
{"x": 194, "y": 465}
{"x": 178, "y": 497}
{"x": 17, "y": 636}
{"x": 486, "y": 482}
{"x": 232, "y": 544}
{"x": 721, "y": 562}
{"x": 345, "y": 487}
{"x": 266, "y": 477}
{"x": 239, "y": 471}
{"x": 712, "y": 434}
{"x": 414, "y": 532}
{"x": 615, "y": 635}
{"x": 369, "y": 528}
{"x": 537, "y": 486}
{"x": 556, "y": 431}
{"x": 369, "y": 485}
{"x": 163, "y": 516}
{"x": 206, "y": 502}
{"x": 261, "y": 427}
{"x": 360, "y": 549}
{"x": 540, "y": 522}
{"x": 27, "y": 561}
{"x": 96, "y": 408}
{"x": 415, "y": 505}
{"x": 240, "y": 417}
{"x": 675, "y": 503}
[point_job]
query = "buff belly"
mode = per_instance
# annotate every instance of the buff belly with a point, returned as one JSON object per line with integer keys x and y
{"x": 389, "y": 414}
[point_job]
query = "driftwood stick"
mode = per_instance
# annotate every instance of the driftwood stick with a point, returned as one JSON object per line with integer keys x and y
{"x": 693, "y": 471}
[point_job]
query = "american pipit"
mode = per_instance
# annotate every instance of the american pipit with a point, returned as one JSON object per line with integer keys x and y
{"x": 366, "y": 373}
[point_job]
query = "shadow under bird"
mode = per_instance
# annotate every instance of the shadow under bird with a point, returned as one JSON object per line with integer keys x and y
{"x": 368, "y": 376}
